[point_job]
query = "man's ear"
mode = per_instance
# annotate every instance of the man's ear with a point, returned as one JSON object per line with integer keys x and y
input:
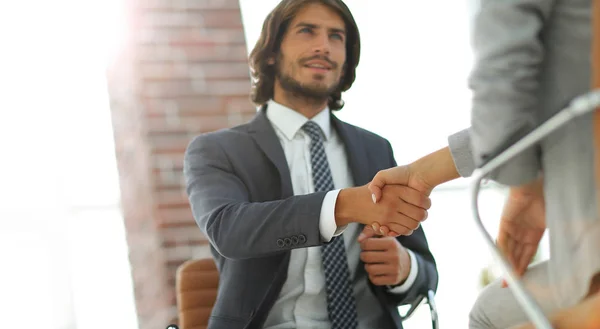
{"x": 271, "y": 61}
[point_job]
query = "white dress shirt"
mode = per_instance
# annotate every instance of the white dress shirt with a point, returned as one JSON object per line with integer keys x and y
{"x": 302, "y": 302}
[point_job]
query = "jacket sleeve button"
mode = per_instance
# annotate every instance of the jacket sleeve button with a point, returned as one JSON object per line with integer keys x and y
{"x": 301, "y": 239}
{"x": 280, "y": 243}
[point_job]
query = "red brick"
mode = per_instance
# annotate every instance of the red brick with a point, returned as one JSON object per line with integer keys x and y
{"x": 229, "y": 87}
{"x": 169, "y": 179}
{"x": 165, "y": 70}
{"x": 183, "y": 36}
{"x": 219, "y": 18}
{"x": 168, "y": 88}
{"x": 175, "y": 216}
{"x": 189, "y": 88}
{"x": 168, "y": 161}
{"x": 218, "y": 53}
{"x": 185, "y": 105}
{"x": 232, "y": 54}
{"x": 222, "y": 18}
{"x": 183, "y": 72}
{"x": 189, "y": 233}
{"x": 189, "y": 4}
{"x": 170, "y": 198}
{"x": 191, "y": 124}
{"x": 220, "y": 70}
{"x": 194, "y": 70}
{"x": 240, "y": 104}
{"x": 181, "y": 252}
{"x": 170, "y": 143}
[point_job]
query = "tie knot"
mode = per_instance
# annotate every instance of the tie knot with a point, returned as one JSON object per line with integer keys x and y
{"x": 313, "y": 130}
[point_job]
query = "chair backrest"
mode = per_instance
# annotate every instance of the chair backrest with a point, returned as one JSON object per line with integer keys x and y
{"x": 197, "y": 283}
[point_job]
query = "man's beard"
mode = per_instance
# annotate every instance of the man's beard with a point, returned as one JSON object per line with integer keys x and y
{"x": 288, "y": 83}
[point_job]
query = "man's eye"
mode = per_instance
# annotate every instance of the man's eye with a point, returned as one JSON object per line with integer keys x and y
{"x": 305, "y": 30}
{"x": 337, "y": 36}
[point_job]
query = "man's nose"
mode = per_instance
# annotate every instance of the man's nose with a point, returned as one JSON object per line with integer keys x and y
{"x": 322, "y": 45}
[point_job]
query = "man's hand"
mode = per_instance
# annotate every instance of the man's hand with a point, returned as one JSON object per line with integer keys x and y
{"x": 386, "y": 261}
{"x": 522, "y": 225}
{"x": 401, "y": 208}
{"x": 422, "y": 175}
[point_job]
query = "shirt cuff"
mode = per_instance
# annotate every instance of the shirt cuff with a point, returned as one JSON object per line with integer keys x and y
{"x": 412, "y": 276}
{"x": 327, "y": 225}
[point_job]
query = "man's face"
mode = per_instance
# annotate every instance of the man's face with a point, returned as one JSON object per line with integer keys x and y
{"x": 313, "y": 53}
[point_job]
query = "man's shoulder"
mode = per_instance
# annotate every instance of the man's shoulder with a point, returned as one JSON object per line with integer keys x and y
{"x": 224, "y": 137}
{"x": 367, "y": 135}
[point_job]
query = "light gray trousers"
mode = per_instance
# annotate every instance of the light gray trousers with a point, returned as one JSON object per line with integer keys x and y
{"x": 574, "y": 231}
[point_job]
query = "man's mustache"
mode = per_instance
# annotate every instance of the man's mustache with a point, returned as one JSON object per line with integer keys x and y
{"x": 333, "y": 64}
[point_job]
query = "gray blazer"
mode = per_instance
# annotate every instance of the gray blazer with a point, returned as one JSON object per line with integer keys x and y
{"x": 532, "y": 57}
{"x": 241, "y": 196}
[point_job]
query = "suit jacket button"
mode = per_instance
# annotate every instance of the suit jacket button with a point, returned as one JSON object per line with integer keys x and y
{"x": 295, "y": 240}
{"x": 288, "y": 242}
{"x": 280, "y": 243}
{"x": 301, "y": 239}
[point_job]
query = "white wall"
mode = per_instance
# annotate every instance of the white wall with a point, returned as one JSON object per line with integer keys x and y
{"x": 63, "y": 256}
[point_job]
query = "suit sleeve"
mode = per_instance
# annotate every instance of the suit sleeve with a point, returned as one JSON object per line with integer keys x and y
{"x": 236, "y": 227}
{"x": 427, "y": 277}
{"x": 505, "y": 80}
{"x": 459, "y": 144}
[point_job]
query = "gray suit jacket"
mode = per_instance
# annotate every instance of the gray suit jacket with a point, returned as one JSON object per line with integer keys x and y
{"x": 241, "y": 196}
{"x": 532, "y": 57}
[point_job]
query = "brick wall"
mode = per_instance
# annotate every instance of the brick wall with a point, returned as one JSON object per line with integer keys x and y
{"x": 182, "y": 71}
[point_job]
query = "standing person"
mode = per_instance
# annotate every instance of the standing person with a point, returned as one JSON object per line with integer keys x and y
{"x": 532, "y": 58}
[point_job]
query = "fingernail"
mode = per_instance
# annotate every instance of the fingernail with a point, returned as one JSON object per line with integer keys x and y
{"x": 373, "y": 198}
{"x": 361, "y": 237}
{"x": 382, "y": 231}
{"x": 374, "y": 227}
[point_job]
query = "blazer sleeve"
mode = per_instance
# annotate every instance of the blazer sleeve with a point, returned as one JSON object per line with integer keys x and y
{"x": 460, "y": 148}
{"x": 427, "y": 278}
{"x": 505, "y": 80}
{"x": 236, "y": 227}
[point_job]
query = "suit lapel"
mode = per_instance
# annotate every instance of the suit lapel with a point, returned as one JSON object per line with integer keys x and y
{"x": 355, "y": 150}
{"x": 263, "y": 133}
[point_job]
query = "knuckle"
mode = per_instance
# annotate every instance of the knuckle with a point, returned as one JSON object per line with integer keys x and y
{"x": 421, "y": 214}
{"x": 428, "y": 202}
{"x": 424, "y": 200}
{"x": 388, "y": 213}
{"x": 365, "y": 245}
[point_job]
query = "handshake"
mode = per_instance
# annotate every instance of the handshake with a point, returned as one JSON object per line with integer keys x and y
{"x": 396, "y": 201}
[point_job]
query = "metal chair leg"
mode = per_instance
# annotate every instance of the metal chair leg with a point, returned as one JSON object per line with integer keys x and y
{"x": 579, "y": 106}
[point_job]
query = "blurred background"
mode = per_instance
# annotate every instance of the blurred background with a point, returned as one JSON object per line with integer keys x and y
{"x": 98, "y": 100}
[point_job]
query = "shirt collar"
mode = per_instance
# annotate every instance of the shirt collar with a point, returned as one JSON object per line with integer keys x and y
{"x": 289, "y": 121}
